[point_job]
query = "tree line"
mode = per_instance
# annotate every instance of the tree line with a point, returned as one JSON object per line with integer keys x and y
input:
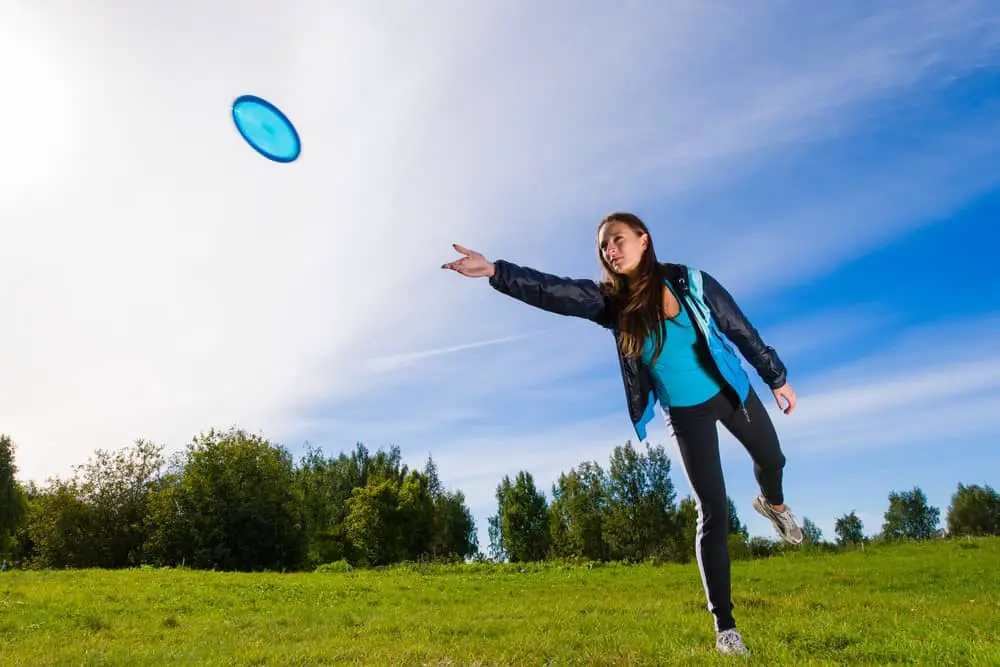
{"x": 236, "y": 501}
{"x": 629, "y": 512}
{"x": 232, "y": 501}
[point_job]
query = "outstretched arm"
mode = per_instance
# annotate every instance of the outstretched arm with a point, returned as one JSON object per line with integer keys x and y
{"x": 574, "y": 297}
{"x": 737, "y": 328}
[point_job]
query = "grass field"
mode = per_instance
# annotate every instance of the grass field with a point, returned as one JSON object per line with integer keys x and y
{"x": 935, "y": 603}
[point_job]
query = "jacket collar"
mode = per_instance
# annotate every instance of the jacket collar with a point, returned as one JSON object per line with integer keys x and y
{"x": 677, "y": 275}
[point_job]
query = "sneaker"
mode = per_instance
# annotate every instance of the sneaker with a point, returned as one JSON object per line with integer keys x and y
{"x": 784, "y": 521}
{"x": 730, "y": 642}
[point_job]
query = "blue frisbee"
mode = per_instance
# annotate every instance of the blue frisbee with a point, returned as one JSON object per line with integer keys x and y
{"x": 266, "y": 129}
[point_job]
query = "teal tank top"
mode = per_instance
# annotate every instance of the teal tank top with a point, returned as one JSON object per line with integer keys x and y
{"x": 684, "y": 374}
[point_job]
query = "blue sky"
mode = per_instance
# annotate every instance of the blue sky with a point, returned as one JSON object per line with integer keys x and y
{"x": 837, "y": 170}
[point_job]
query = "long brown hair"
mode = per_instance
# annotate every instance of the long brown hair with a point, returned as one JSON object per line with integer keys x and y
{"x": 637, "y": 300}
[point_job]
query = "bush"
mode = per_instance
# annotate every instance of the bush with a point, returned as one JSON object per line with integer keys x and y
{"x": 336, "y": 566}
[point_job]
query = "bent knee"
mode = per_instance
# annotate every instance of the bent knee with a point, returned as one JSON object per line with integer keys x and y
{"x": 773, "y": 463}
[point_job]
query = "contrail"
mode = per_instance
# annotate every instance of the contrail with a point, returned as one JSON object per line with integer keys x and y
{"x": 396, "y": 360}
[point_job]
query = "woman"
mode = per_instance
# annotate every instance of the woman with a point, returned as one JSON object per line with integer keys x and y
{"x": 673, "y": 326}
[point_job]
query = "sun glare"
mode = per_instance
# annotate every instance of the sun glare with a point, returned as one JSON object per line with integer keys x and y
{"x": 38, "y": 108}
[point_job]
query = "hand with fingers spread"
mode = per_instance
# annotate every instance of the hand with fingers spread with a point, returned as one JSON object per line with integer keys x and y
{"x": 473, "y": 265}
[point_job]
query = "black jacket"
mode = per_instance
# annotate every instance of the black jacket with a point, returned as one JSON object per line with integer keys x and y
{"x": 711, "y": 303}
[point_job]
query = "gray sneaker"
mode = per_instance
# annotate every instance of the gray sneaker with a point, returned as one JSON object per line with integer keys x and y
{"x": 730, "y": 642}
{"x": 784, "y": 521}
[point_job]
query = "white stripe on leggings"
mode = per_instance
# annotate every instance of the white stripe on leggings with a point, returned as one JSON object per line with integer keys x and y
{"x": 699, "y": 535}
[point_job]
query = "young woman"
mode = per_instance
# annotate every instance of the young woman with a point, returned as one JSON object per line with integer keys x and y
{"x": 673, "y": 326}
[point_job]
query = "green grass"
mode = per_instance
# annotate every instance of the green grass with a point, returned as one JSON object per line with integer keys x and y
{"x": 934, "y": 603}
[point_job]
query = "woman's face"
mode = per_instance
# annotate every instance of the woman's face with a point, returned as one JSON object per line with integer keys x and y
{"x": 621, "y": 247}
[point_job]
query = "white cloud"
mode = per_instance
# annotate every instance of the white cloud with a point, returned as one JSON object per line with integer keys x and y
{"x": 915, "y": 392}
{"x": 160, "y": 278}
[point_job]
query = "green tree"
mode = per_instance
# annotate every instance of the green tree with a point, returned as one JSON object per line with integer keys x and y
{"x": 522, "y": 520}
{"x": 385, "y": 465}
{"x": 13, "y": 499}
{"x": 116, "y": 487}
{"x": 231, "y": 505}
{"x": 325, "y": 485}
{"x": 61, "y": 527}
{"x": 417, "y": 517}
{"x": 577, "y": 514}
{"x": 735, "y": 526}
{"x": 373, "y": 523}
{"x": 910, "y": 516}
{"x": 170, "y": 526}
{"x": 497, "y": 548}
{"x": 849, "y": 529}
{"x": 455, "y": 533}
{"x": 686, "y": 530}
{"x": 434, "y": 485}
{"x": 811, "y": 534}
{"x": 640, "y": 502}
{"x": 22, "y": 550}
{"x": 388, "y": 522}
{"x": 974, "y": 511}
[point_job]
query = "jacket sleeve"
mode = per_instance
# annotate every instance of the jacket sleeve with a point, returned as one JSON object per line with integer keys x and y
{"x": 574, "y": 297}
{"x": 737, "y": 328}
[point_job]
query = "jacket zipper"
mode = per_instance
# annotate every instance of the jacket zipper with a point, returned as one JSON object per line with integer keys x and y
{"x": 707, "y": 315}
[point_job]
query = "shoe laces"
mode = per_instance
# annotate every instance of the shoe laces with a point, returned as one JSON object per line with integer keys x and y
{"x": 731, "y": 638}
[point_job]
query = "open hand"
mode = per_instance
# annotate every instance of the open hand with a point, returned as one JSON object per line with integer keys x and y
{"x": 473, "y": 265}
{"x": 786, "y": 392}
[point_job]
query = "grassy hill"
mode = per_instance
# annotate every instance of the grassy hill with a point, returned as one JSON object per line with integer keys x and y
{"x": 932, "y": 603}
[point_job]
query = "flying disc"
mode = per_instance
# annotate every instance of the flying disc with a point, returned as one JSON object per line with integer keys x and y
{"x": 266, "y": 128}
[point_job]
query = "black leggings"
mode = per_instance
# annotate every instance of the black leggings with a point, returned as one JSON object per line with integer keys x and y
{"x": 698, "y": 440}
